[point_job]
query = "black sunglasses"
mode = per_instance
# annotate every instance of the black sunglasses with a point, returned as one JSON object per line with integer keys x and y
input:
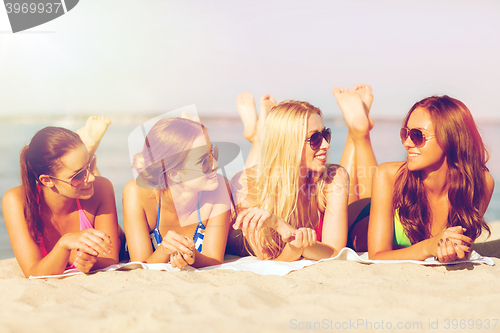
{"x": 416, "y": 136}
{"x": 316, "y": 139}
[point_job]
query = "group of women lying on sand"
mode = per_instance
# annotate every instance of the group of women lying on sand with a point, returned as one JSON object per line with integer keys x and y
{"x": 287, "y": 203}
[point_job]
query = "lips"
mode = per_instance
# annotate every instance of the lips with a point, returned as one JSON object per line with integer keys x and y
{"x": 412, "y": 154}
{"x": 212, "y": 176}
{"x": 320, "y": 157}
{"x": 88, "y": 188}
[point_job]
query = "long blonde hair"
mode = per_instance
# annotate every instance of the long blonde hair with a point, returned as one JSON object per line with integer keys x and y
{"x": 281, "y": 178}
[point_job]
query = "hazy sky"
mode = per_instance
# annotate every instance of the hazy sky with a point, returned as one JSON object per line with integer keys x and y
{"x": 151, "y": 56}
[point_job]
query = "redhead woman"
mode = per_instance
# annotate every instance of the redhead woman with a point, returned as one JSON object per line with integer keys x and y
{"x": 178, "y": 210}
{"x": 433, "y": 203}
{"x": 62, "y": 215}
{"x": 291, "y": 203}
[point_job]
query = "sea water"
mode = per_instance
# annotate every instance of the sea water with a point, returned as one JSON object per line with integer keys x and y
{"x": 113, "y": 158}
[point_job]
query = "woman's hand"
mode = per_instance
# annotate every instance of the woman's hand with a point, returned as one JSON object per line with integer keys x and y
{"x": 91, "y": 241}
{"x": 302, "y": 238}
{"x": 84, "y": 261}
{"x": 251, "y": 220}
{"x": 181, "y": 249}
{"x": 181, "y": 260}
{"x": 451, "y": 244}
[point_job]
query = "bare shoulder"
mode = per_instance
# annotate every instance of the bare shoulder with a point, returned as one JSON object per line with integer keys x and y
{"x": 103, "y": 190}
{"x": 490, "y": 182}
{"x": 12, "y": 197}
{"x": 136, "y": 193}
{"x": 388, "y": 170}
{"x": 336, "y": 172}
{"x": 103, "y": 184}
{"x": 336, "y": 176}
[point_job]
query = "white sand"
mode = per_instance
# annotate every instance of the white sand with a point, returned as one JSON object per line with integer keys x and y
{"x": 329, "y": 293}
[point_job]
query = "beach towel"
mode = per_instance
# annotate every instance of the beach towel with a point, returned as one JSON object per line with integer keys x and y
{"x": 267, "y": 267}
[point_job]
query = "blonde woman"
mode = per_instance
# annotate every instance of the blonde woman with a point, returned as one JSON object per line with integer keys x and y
{"x": 178, "y": 210}
{"x": 293, "y": 204}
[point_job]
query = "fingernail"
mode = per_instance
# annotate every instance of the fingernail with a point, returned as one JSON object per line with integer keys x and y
{"x": 191, "y": 253}
{"x": 442, "y": 241}
{"x": 95, "y": 253}
{"x": 456, "y": 245}
{"x": 447, "y": 239}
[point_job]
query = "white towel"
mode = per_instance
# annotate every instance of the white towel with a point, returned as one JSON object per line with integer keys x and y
{"x": 267, "y": 267}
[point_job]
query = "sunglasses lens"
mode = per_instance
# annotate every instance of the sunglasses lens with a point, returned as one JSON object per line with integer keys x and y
{"x": 82, "y": 175}
{"x": 315, "y": 140}
{"x": 327, "y": 134}
{"x": 403, "y": 134}
{"x": 417, "y": 137}
{"x": 93, "y": 164}
{"x": 207, "y": 163}
{"x": 79, "y": 177}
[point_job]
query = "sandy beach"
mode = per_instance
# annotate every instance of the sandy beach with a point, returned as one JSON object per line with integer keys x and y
{"x": 328, "y": 296}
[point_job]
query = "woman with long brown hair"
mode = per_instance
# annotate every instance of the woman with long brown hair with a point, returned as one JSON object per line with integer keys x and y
{"x": 62, "y": 215}
{"x": 433, "y": 203}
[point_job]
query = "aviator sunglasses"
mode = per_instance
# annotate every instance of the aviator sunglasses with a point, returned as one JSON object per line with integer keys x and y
{"x": 207, "y": 162}
{"x": 316, "y": 139}
{"x": 416, "y": 136}
{"x": 81, "y": 176}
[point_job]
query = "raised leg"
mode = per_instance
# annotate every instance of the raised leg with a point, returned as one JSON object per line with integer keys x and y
{"x": 252, "y": 126}
{"x": 358, "y": 157}
{"x": 92, "y": 133}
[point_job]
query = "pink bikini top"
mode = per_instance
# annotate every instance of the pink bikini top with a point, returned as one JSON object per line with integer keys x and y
{"x": 84, "y": 224}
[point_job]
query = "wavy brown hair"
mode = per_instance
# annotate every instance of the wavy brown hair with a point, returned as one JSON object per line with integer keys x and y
{"x": 41, "y": 157}
{"x": 466, "y": 156}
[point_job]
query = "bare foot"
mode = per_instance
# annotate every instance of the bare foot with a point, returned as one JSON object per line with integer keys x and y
{"x": 245, "y": 104}
{"x": 186, "y": 115}
{"x": 353, "y": 109}
{"x": 93, "y": 131}
{"x": 365, "y": 92}
{"x": 266, "y": 104}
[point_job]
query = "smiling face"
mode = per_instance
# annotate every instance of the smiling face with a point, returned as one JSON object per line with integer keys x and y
{"x": 314, "y": 160}
{"x": 198, "y": 159}
{"x": 430, "y": 156}
{"x": 71, "y": 164}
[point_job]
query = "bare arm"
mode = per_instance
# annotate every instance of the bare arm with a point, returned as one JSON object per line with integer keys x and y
{"x": 106, "y": 220}
{"x": 137, "y": 228}
{"x": 217, "y": 227}
{"x": 334, "y": 231}
{"x": 490, "y": 186}
{"x": 381, "y": 226}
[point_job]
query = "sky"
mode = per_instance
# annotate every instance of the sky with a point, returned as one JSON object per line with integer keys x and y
{"x": 146, "y": 57}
